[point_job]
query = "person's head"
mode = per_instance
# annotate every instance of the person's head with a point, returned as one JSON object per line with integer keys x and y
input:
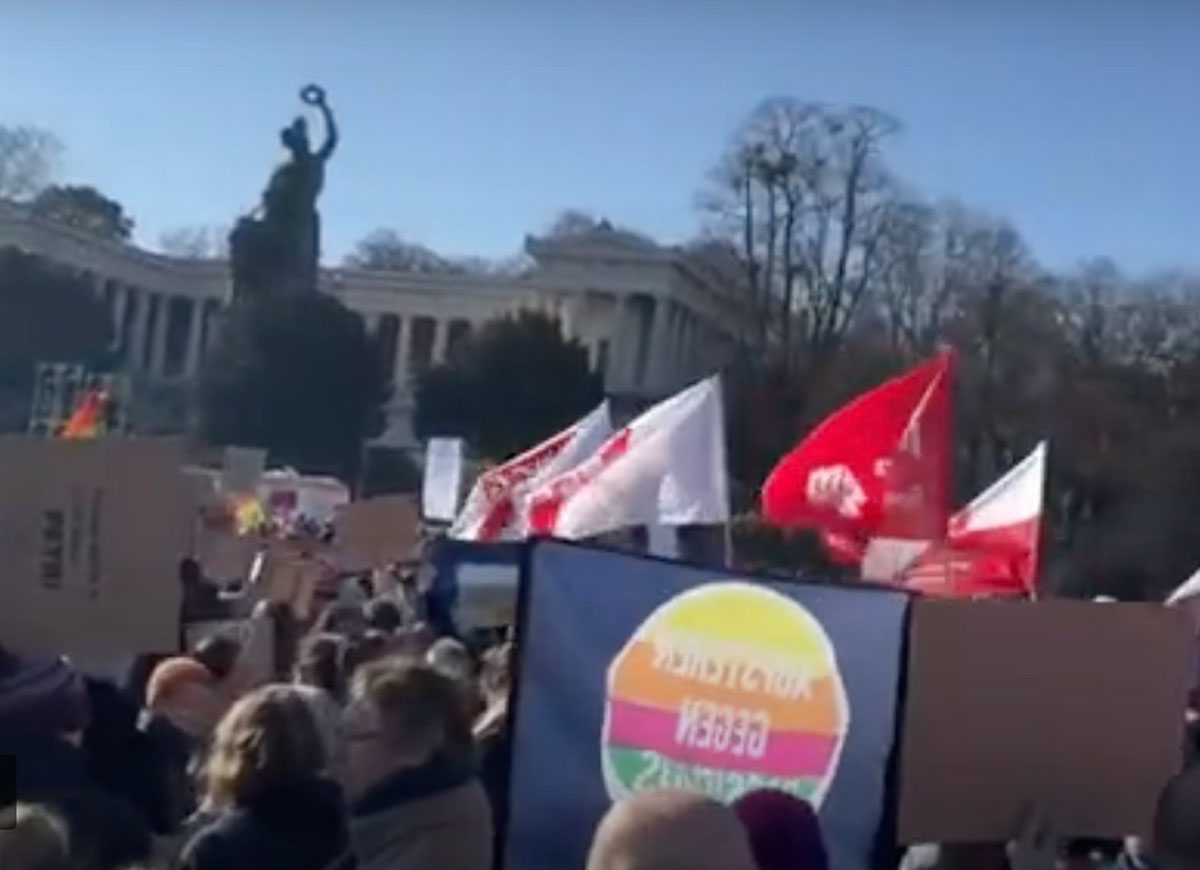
{"x": 670, "y": 830}
{"x": 320, "y": 664}
{"x": 219, "y": 653}
{"x": 416, "y": 639}
{"x": 384, "y": 615}
{"x": 784, "y": 831}
{"x": 33, "y": 838}
{"x": 41, "y": 697}
{"x": 402, "y": 715}
{"x": 371, "y": 647}
{"x": 451, "y": 658}
{"x": 1176, "y": 841}
{"x": 183, "y": 691}
{"x": 268, "y": 740}
{"x": 346, "y": 619}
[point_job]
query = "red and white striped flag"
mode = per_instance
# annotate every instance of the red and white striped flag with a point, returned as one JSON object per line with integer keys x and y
{"x": 992, "y": 545}
{"x": 666, "y": 468}
{"x": 491, "y": 512}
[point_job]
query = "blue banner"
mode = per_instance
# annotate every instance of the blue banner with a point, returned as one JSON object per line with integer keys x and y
{"x": 637, "y": 674}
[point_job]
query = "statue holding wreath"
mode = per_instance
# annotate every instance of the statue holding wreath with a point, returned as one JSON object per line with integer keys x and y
{"x": 276, "y": 249}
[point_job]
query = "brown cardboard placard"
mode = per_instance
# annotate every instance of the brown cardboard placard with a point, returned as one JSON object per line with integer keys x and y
{"x": 291, "y": 574}
{"x": 224, "y": 555}
{"x": 376, "y": 531}
{"x": 91, "y": 534}
{"x": 1073, "y": 706}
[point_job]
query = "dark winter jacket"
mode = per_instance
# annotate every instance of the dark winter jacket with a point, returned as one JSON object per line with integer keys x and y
{"x": 298, "y": 826}
{"x": 171, "y": 753}
{"x": 435, "y": 817}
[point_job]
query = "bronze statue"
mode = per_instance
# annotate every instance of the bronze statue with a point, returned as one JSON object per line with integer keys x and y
{"x": 276, "y": 249}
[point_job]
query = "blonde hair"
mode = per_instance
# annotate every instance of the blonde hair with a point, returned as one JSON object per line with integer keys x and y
{"x": 37, "y": 839}
{"x": 269, "y": 737}
{"x": 421, "y": 711}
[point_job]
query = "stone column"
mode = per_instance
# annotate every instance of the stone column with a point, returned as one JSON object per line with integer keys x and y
{"x": 659, "y": 351}
{"x": 158, "y": 351}
{"x": 400, "y": 370}
{"x": 441, "y": 331}
{"x": 137, "y": 340}
{"x": 679, "y": 369}
{"x": 195, "y": 353}
{"x": 624, "y": 344}
{"x": 570, "y": 318}
{"x": 120, "y": 301}
{"x": 687, "y": 348}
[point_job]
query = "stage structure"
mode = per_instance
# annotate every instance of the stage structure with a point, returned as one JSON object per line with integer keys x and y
{"x": 58, "y": 389}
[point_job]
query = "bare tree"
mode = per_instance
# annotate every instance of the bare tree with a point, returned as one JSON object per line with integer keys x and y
{"x": 28, "y": 159}
{"x": 385, "y": 250}
{"x": 913, "y": 293}
{"x": 574, "y": 223}
{"x": 804, "y": 194}
{"x": 83, "y": 207}
{"x": 196, "y": 242}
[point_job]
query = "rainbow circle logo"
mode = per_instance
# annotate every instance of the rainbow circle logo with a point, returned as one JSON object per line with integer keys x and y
{"x": 724, "y": 689}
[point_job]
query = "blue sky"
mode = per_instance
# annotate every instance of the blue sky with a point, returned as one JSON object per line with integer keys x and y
{"x": 468, "y": 123}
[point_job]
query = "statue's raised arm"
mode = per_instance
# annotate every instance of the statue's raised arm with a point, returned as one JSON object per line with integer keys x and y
{"x": 314, "y": 95}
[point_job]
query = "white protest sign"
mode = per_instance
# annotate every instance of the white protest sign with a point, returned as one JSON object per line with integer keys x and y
{"x": 242, "y": 468}
{"x": 443, "y": 479}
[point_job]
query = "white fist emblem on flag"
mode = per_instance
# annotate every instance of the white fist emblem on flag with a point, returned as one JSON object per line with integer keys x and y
{"x": 836, "y": 487}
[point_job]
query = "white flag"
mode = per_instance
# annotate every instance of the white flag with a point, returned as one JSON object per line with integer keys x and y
{"x": 443, "y": 477}
{"x": 667, "y": 468}
{"x": 491, "y": 511}
{"x": 1185, "y": 592}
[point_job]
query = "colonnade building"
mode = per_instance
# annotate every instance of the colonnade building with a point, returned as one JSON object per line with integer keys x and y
{"x": 651, "y": 321}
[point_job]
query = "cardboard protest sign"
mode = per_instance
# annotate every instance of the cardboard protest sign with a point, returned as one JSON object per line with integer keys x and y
{"x": 92, "y": 533}
{"x": 637, "y": 674}
{"x": 224, "y": 555}
{"x": 291, "y": 571}
{"x": 376, "y": 531}
{"x": 1076, "y": 706}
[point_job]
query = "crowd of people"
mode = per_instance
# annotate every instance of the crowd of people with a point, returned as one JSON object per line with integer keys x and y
{"x": 376, "y": 739}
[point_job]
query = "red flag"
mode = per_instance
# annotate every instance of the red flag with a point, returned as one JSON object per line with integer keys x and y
{"x": 991, "y": 545}
{"x": 87, "y": 421}
{"x": 878, "y": 469}
{"x": 843, "y": 549}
